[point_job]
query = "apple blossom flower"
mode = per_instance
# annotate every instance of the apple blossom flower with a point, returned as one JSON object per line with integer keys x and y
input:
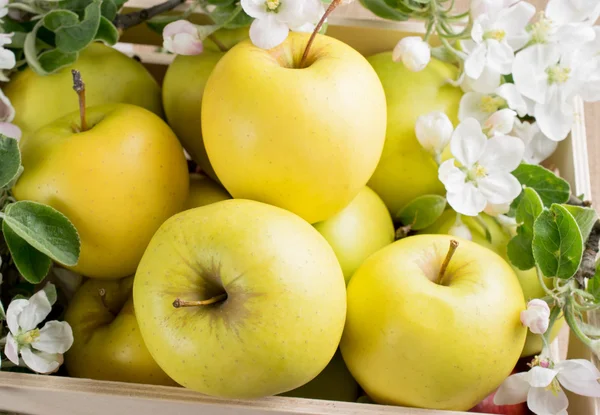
{"x": 500, "y": 123}
{"x": 537, "y": 316}
{"x": 484, "y": 173}
{"x": 7, "y": 112}
{"x": 573, "y": 11}
{"x": 479, "y": 7}
{"x": 541, "y": 388}
{"x": 481, "y": 106}
{"x": 7, "y": 57}
{"x": 273, "y": 19}
{"x": 3, "y": 8}
{"x": 434, "y": 131}
{"x": 40, "y": 349}
{"x": 538, "y": 147}
{"x": 494, "y": 38}
{"x": 414, "y": 52}
{"x": 546, "y": 30}
{"x": 182, "y": 38}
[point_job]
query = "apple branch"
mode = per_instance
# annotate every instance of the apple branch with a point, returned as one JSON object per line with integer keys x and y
{"x": 451, "y": 251}
{"x": 125, "y": 21}
{"x": 182, "y": 303}
{"x": 79, "y": 87}
{"x": 329, "y": 10}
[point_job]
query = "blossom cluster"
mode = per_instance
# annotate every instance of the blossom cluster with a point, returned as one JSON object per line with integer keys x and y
{"x": 7, "y": 62}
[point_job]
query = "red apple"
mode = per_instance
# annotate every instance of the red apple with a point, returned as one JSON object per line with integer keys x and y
{"x": 487, "y": 406}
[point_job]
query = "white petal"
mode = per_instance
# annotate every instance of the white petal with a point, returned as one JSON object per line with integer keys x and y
{"x": 186, "y": 44}
{"x": 7, "y": 112}
{"x": 486, "y": 83}
{"x": 11, "y": 349}
{"x": 268, "y": 33}
{"x": 574, "y": 35}
{"x": 500, "y": 56}
{"x": 55, "y": 337}
{"x": 468, "y": 201}
{"x": 434, "y": 131}
{"x": 500, "y": 122}
{"x": 536, "y": 317}
{"x": 255, "y": 8}
{"x": 497, "y": 210}
{"x": 477, "y": 31}
{"x": 468, "y": 142}
{"x": 529, "y": 70}
{"x": 513, "y": 98}
{"x": 476, "y": 61}
{"x": 41, "y": 362}
{"x": 513, "y": 21}
{"x": 502, "y": 153}
{"x": 14, "y": 310}
{"x": 414, "y": 53}
{"x": 470, "y": 107}
{"x": 7, "y": 59}
{"x": 499, "y": 188}
{"x": 539, "y": 147}
{"x": 35, "y": 312}
{"x": 540, "y": 377}
{"x": 551, "y": 119}
{"x": 451, "y": 176}
{"x": 579, "y": 376}
{"x": 10, "y": 130}
{"x": 292, "y": 13}
{"x": 541, "y": 401}
{"x": 513, "y": 390}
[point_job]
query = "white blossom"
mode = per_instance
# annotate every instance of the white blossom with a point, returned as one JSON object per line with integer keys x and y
{"x": 481, "y": 106}
{"x": 434, "y": 131}
{"x": 7, "y": 57}
{"x": 573, "y": 11}
{"x": 484, "y": 173}
{"x": 548, "y": 30}
{"x": 3, "y": 8}
{"x": 537, "y": 316}
{"x": 494, "y": 39}
{"x": 538, "y": 147}
{"x": 541, "y": 388}
{"x": 479, "y": 7}
{"x": 182, "y": 38}
{"x": 40, "y": 349}
{"x": 414, "y": 53}
{"x": 500, "y": 123}
{"x": 273, "y": 19}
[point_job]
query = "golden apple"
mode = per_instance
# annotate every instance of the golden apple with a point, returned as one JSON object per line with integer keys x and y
{"x": 110, "y": 77}
{"x": 117, "y": 182}
{"x": 406, "y": 170}
{"x": 240, "y": 299}
{"x": 426, "y": 331}
{"x": 107, "y": 341}
{"x": 204, "y": 191}
{"x": 306, "y": 140}
{"x": 360, "y": 229}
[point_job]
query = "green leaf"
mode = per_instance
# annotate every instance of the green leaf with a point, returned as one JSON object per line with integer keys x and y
{"x": 10, "y": 160}
{"x": 53, "y": 60}
{"x": 50, "y": 290}
{"x": 46, "y": 229}
{"x": 18, "y": 40}
{"x": 551, "y": 188}
{"x": 71, "y": 34}
{"x": 585, "y": 217}
{"x": 2, "y": 312}
{"x": 107, "y": 32}
{"x": 422, "y": 211}
{"x": 109, "y": 9}
{"x": 31, "y": 263}
{"x": 557, "y": 243}
{"x": 30, "y": 49}
{"x": 593, "y": 286}
{"x": 382, "y": 9}
{"x": 221, "y": 2}
{"x": 231, "y": 17}
{"x": 58, "y": 18}
{"x": 520, "y": 251}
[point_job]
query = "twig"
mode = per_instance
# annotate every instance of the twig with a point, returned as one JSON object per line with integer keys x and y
{"x": 125, "y": 21}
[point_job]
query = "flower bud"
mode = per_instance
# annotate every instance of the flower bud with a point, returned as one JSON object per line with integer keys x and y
{"x": 496, "y": 210}
{"x": 434, "y": 131}
{"x": 461, "y": 231}
{"x": 181, "y": 37}
{"x": 414, "y": 53}
{"x": 537, "y": 316}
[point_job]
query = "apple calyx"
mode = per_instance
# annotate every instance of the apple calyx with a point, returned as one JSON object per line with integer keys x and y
{"x": 79, "y": 87}
{"x": 102, "y": 294}
{"x": 451, "y": 251}
{"x": 216, "y": 299}
{"x": 330, "y": 9}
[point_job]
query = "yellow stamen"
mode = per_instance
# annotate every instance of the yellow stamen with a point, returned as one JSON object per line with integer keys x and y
{"x": 498, "y": 35}
{"x": 272, "y": 4}
{"x": 491, "y": 103}
{"x": 558, "y": 74}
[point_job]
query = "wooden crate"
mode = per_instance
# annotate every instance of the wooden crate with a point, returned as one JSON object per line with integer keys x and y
{"x": 52, "y": 395}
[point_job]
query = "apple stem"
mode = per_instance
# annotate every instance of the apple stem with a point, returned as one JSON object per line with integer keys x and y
{"x": 330, "y": 9}
{"x": 102, "y": 294}
{"x": 451, "y": 251}
{"x": 79, "y": 87}
{"x": 182, "y": 303}
{"x": 217, "y": 42}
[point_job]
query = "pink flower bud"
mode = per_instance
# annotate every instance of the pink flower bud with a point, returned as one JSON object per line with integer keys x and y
{"x": 414, "y": 53}
{"x": 10, "y": 130}
{"x": 181, "y": 37}
{"x": 537, "y": 316}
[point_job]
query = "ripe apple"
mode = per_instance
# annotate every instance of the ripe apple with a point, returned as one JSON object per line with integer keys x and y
{"x": 306, "y": 140}
{"x": 240, "y": 299}
{"x": 107, "y": 341}
{"x": 406, "y": 170}
{"x": 182, "y": 91}
{"x": 111, "y": 77}
{"x": 334, "y": 383}
{"x": 117, "y": 182}
{"x": 500, "y": 237}
{"x": 431, "y": 330}
{"x": 360, "y": 229}
{"x": 204, "y": 191}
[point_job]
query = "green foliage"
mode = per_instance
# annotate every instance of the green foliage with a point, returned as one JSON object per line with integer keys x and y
{"x": 383, "y": 9}
{"x": 585, "y": 218}
{"x": 10, "y": 160}
{"x": 593, "y": 286}
{"x": 422, "y": 211}
{"x": 550, "y": 188}
{"x": 31, "y": 263}
{"x": 520, "y": 250}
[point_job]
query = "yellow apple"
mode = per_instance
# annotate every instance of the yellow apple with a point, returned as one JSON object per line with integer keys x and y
{"x": 334, "y": 383}
{"x": 360, "y": 229}
{"x": 419, "y": 336}
{"x": 500, "y": 237}
{"x": 117, "y": 182}
{"x": 110, "y": 77}
{"x": 406, "y": 170}
{"x": 204, "y": 191}
{"x": 107, "y": 341}
{"x": 240, "y": 299}
{"x": 306, "y": 140}
{"x": 182, "y": 91}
